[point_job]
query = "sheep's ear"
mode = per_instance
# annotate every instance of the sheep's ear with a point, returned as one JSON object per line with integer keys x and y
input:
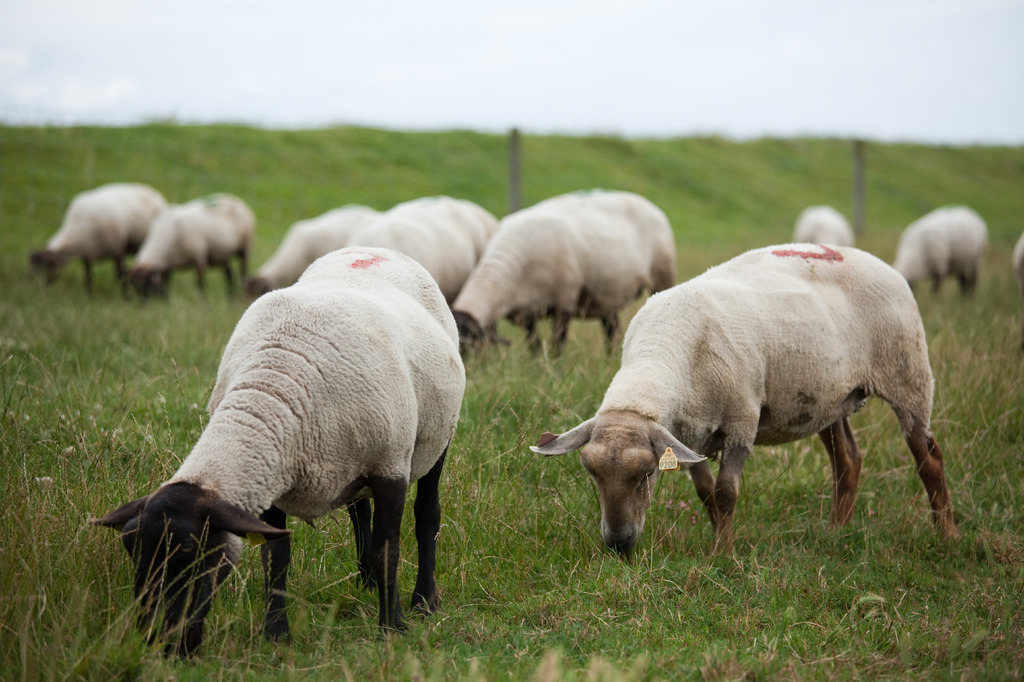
{"x": 235, "y": 520}
{"x": 661, "y": 439}
{"x": 122, "y": 515}
{"x": 550, "y": 444}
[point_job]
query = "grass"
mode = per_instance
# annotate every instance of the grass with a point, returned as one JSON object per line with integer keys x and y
{"x": 101, "y": 398}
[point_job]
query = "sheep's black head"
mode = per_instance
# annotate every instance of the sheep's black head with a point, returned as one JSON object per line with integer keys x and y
{"x": 620, "y": 450}
{"x": 473, "y": 334}
{"x": 183, "y": 541}
{"x": 257, "y": 286}
{"x": 148, "y": 281}
{"x": 47, "y": 262}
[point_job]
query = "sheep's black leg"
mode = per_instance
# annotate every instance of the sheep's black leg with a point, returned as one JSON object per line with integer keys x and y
{"x": 427, "y": 509}
{"x": 87, "y": 264}
{"x": 561, "y": 331}
{"x": 611, "y": 330}
{"x": 229, "y": 277}
{"x": 276, "y": 556}
{"x": 360, "y": 513}
{"x": 388, "y": 504}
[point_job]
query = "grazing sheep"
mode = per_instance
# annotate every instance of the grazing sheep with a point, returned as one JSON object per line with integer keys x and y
{"x": 1018, "y": 268}
{"x": 110, "y": 221}
{"x": 306, "y": 241}
{"x": 585, "y": 254}
{"x": 773, "y": 346}
{"x": 207, "y": 231}
{"x": 949, "y": 241}
{"x": 444, "y": 235}
{"x": 344, "y": 386}
{"x": 823, "y": 225}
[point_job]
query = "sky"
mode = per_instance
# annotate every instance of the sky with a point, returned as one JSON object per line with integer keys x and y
{"x": 931, "y": 71}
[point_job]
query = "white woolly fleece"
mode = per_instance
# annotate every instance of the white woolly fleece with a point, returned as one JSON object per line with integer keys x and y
{"x": 948, "y": 241}
{"x": 307, "y": 240}
{"x": 612, "y": 245}
{"x": 204, "y": 231}
{"x": 779, "y": 342}
{"x": 103, "y": 222}
{"x": 444, "y": 235}
{"x": 353, "y": 371}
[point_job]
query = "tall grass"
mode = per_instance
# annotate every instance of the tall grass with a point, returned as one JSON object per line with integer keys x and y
{"x": 101, "y": 398}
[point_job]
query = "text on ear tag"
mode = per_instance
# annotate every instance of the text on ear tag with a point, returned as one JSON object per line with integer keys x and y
{"x": 255, "y": 539}
{"x": 668, "y": 461}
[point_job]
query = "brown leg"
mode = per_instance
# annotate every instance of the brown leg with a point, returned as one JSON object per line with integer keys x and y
{"x": 704, "y": 482}
{"x": 845, "y": 457}
{"x": 727, "y": 490}
{"x": 928, "y": 456}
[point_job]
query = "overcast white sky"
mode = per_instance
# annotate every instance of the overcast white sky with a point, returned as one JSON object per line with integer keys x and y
{"x": 938, "y": 71}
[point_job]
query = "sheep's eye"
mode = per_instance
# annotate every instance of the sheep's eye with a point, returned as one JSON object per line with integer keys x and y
{"x": 645, "y": 483}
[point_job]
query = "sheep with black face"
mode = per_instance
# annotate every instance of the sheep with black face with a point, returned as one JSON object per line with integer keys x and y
{"x": 345, "y": 386}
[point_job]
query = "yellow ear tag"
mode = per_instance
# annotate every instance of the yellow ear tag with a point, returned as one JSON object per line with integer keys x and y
{"x": 668, "y": 461}
{"x": 255, "y": 539}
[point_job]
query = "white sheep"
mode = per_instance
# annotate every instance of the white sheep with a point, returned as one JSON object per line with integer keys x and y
{"x": 204, "y": 232}
{"x": 444, "y": 235}
{"x": 585, "y": 254}
{"x": 1018, "y": 269}
{"x": 305, "y": 241}
{"x": 773, "y": 346}
{"x": 949, "y": 241}
{"x": 346, "y": 385}
{"x": 110, "y": 221}
{"x": 823, "y": 225}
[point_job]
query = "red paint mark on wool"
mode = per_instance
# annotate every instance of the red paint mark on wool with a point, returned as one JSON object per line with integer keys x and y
{"x": 364, "y": 263}
{"x": 830, "y": 255}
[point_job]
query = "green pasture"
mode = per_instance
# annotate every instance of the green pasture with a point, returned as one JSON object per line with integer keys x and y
{"x": 102, "y": 396}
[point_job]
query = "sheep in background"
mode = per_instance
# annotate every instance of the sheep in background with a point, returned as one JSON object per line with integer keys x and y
{"x": 345, "y": 385}
{"x": 773, "y": 346}
{"x": 205, "y": 232}
{"x": 584, "y": 254}
{"x": 949, "y": 241}
{"x": 444, "y": 235}
{"x": 110, "y": 221}
{"x": 1018, "y": 269}
{"x": 305, "y": 241}
{"x": 823, "y": 225}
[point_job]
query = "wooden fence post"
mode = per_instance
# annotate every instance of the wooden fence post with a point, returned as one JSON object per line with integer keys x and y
{"x": 514, "y": 170}
{"x": 858, "y": 187}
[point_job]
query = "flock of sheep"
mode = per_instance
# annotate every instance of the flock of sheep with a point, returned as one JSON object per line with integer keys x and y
{"x": 347, "y": 384}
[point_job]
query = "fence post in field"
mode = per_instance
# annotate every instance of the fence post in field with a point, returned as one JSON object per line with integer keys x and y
{"x": 514, "y": 169}
{"x": 858, "y": 187}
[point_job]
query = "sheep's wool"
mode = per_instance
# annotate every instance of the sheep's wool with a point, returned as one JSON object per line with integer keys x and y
{"x": 353, "y": 371}
{"x": 774, "y": 346}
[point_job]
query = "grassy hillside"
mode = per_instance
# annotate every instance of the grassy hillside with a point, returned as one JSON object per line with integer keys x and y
{"x": 101, "y": 398}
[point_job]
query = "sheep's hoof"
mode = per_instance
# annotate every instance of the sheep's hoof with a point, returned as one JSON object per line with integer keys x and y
{"x": 426, "y": 605}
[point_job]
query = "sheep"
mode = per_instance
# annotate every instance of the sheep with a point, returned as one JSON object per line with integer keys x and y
{"x": 110, "y": 221}
{"x": 1018, "y": 268}
{"x": 445, "y": 235}
{"x": 949, "y": 241}
{"x": 823, "y": 225}
{"x": 344, "y": 386}
{"x": 585, "y": 254}
{"x": 305, "y": 241}
{"x": 773, "y": 346}
{"x": 203, "y": 232}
